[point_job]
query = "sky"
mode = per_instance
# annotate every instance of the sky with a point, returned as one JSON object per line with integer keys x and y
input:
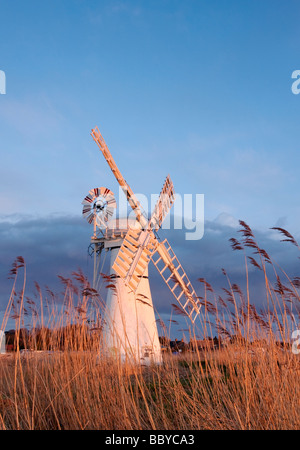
{"x": 200, "y": 90}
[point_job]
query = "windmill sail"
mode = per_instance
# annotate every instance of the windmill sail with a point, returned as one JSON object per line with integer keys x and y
{"x": 163, "y": 205}
{"x": 172, "y": 272}
{"x": 132, "y": 200}
{"x": 134, "y": 256}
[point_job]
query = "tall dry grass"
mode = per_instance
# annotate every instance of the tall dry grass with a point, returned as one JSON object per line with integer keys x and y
{"x": 250, "y": 382}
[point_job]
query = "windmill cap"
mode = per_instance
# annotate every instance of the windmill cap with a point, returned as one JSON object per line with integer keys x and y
{"x": 123, "y": 223}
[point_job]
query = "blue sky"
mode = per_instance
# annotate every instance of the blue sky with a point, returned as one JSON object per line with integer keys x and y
{"x": 197, "y": 89}
{"x": 200, "y": 90}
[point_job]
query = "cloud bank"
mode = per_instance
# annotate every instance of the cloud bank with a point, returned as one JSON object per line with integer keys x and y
{"x": 57, "y": 245}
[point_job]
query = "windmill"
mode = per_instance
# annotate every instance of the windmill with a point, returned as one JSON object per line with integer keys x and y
{"x": 130, "y": 327}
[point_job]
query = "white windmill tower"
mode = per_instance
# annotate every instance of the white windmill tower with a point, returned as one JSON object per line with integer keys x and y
{"x": 130, "y": 327}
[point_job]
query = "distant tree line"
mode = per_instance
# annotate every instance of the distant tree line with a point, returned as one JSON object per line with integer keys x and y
{"x": 70, "y": 337}
{"x": 82, "y": 337}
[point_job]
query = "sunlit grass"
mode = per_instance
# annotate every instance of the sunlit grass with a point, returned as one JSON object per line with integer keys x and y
{"x": 64, "y": 381}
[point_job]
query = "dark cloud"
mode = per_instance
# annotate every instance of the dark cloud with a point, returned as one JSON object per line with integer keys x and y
{"x": 207, "y": 257}
{"x": 57, "y": 245}
{"x": 51, "y": 246}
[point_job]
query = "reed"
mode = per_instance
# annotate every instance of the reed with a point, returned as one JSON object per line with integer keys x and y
{"x": 248, "y": 380}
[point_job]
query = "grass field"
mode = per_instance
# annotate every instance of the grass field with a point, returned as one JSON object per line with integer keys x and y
{"x": 250, "y": 382}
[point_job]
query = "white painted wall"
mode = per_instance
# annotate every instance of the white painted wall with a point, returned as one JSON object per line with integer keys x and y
{"x": 130, "y": 330}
